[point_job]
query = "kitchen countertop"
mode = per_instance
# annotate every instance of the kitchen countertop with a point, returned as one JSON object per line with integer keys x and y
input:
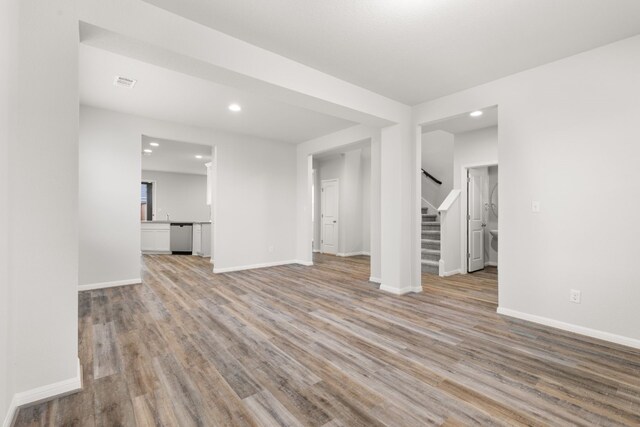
{"x": 175, "y": 222}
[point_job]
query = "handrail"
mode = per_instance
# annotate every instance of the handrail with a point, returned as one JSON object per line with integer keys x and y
{"x": 434, "y": 179}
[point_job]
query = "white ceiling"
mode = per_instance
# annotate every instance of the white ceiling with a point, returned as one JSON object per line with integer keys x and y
{"x": 175, "y": 156}
{"x": 168, "y": 95}
{"x": 417, "y": 50}
{"x": 464, "y": 122}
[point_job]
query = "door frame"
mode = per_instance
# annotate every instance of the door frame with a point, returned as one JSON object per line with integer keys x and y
{"x": 322, "y": 181}
{"x": 464, "y": 209}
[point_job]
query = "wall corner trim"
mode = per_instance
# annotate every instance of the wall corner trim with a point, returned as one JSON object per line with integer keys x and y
{"x": 569, "y": 327}
{"x": 102, "y": 285}
{"x": 43, "y": 393}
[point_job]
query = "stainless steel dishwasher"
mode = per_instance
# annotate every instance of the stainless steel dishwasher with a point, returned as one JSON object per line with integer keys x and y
{"x": 181, "y": 238}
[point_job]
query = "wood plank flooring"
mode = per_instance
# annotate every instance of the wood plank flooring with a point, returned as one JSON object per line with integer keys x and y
{"x": 321, "y": 346}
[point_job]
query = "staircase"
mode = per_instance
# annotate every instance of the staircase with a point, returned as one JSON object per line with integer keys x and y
{"x": 430, "y": 242}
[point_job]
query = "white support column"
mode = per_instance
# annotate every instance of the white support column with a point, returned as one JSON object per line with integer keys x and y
{"x": 376, "y": 209}
{"x": 398, "y": 205}
{"x": 304, "y": 250}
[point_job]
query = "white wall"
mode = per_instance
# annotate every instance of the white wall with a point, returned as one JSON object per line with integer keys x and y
{"x": 255, "y": 197}
{"x": 475, "y": 148}
{"x": 39, "y": 274}
{"x": 568, "y": 136}
{"x": 365, "y": 194}
{"x": 183, "y": 196}
{"x": 109, "y": 187}
{"x": 437, "y": 159}
{"x": 8, "y": 53}
{"x": 316, "y": 206}
{"x": 491, "y": 244}
{"x": 376, "y": 210}
{"x": 351, "y": 203}
{"x": 330, "y": 168}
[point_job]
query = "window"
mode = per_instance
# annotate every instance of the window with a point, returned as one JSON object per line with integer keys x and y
{"x": 146, "y": 201}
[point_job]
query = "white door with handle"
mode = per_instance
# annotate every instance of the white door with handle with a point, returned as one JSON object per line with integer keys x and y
{"x": 329, "y": 216}
{"x": 475, "y": 219}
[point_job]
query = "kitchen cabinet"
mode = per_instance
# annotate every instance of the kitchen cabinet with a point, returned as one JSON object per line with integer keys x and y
{"x": 155, "y": 238}
{"x": 202, "y": 239}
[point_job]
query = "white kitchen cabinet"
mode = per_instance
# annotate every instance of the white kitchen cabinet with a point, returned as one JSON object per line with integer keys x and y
{"x": 202, "y": 239}
{"x": 155, "y": 238}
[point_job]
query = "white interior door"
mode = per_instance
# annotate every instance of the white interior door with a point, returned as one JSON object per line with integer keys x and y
{"x": 475, "y": 218}
{"x": 329, "y": 216}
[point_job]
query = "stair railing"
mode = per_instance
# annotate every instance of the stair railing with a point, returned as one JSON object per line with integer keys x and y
{"x": 431, "y": 177}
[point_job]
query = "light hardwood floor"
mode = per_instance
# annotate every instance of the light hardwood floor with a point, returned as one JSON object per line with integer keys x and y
{"x": 321, "y": 346}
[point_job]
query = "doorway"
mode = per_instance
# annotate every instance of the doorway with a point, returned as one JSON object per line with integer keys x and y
{"x": 477, "y": 182}
{"x": 329, "y": 216}
{"x": 481, "y": 218}
{"x": 460, "y": 151}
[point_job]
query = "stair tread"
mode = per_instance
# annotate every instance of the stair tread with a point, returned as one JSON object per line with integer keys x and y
{"x": 429, "y": 262}
{"x": 430, "y": 241}
{"x": 431, "y": 251}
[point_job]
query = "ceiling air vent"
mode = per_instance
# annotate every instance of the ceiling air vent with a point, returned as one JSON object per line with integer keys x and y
{"x": 124, "y": 82}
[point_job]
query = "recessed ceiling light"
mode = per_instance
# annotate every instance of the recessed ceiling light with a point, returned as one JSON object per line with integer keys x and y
{"x": 146, "y": 150}
{"x": 476, "y": 113}
{"x": 154, "y": 144}
{"x": 235, "y": 107}
{"x": 198, "y": 156}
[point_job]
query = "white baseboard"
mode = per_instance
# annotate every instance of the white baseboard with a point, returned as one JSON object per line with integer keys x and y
{"x": 92, "y": 286}
{"x": 305, "y": 263}
{"x": 490, "y": 264}
{"x": 41, "y": 394}
{"x": 347, "y": 254}
{"x": 569, "y": 327}
{"x": 261, "y": 265}
{"x": 316, "y": 250}
{"x": 399, "y": 291}
{"x": 375, "y": 279}
{"x": 156, "y": 252}
{"x": 451, "y": 273}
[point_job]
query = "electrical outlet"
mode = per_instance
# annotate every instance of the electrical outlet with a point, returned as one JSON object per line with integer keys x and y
{"x": 535, "y": 206}
{"x": 574, "y": 296}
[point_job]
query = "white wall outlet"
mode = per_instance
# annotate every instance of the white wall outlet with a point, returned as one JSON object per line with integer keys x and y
{"x": 574, "y": 296}
{"x": 535, "y": 206}
{"x": 271, "y": 249}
